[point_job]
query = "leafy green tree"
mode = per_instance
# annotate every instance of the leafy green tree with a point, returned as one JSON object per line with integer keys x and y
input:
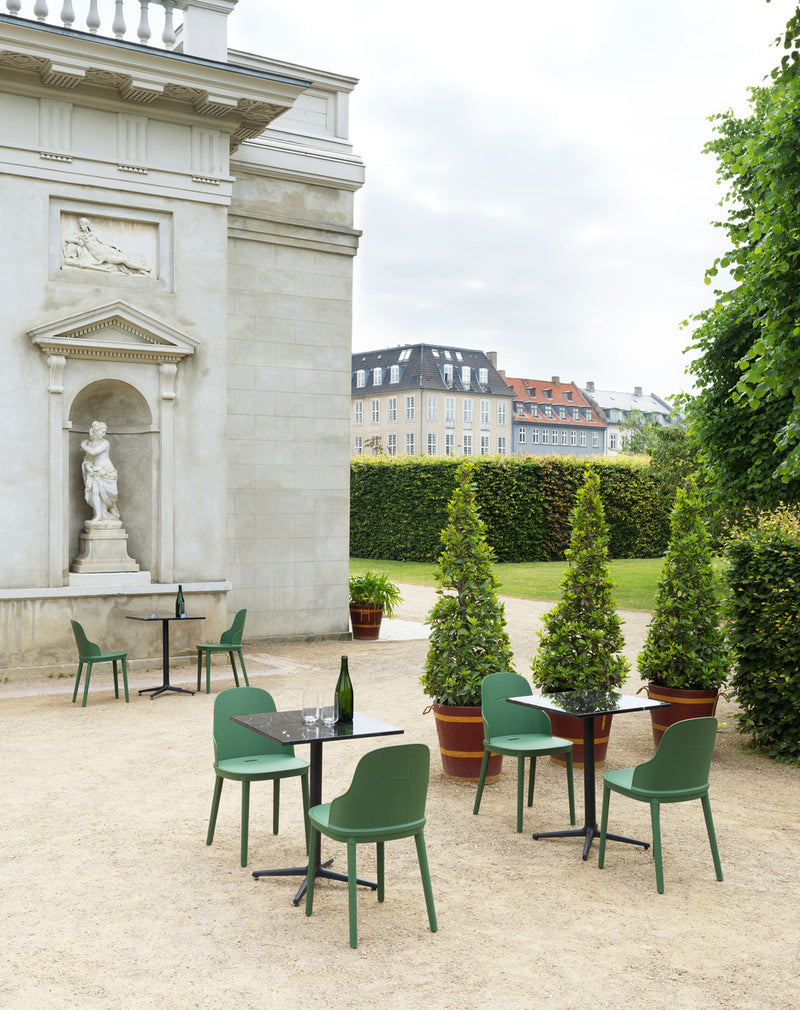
{"x": 468, "y": 639}
{"x": 685, "y": 645}
{"x": 582, "y": 636}
{"x": 746, "y": 418}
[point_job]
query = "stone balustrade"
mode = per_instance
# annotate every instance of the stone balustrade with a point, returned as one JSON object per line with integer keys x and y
{"x": 130, "y": 20}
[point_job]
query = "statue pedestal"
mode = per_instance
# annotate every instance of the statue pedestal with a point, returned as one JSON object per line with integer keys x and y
{"x": 104, "y": 548}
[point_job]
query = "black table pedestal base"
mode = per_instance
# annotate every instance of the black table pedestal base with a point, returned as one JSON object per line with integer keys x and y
{"x": 302, "y": 871}
{"x": 589, "y": 834}
{"x": 162, "y": 688}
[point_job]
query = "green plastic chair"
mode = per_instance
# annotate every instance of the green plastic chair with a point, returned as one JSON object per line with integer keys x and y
{"x": 518, "y": 732}
{"x": 231, "y": 642}
{"x": 677, "y": 772}
{"x": 245, "y": 756}
{"x": 89, "y": 653}
{"x": 386, "y": 800}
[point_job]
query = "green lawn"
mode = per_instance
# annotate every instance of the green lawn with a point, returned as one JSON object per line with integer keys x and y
{"x": 634, "y": 579}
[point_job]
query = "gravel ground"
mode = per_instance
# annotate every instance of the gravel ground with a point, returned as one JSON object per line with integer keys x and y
{"x": 112, "y": 899}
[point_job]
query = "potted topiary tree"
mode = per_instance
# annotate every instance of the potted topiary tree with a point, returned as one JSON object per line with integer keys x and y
{"x": 580, "y": 643}
{"x": 686, "y": 656}
{"x": 468, "y": 639}
{"x": 371, "y": 596}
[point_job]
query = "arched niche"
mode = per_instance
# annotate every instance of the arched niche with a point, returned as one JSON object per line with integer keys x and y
{"x": 118, "y": 364}
{"x": 134, "y": 453}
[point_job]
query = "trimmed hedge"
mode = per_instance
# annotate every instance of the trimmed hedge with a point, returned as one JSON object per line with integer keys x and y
{"x": 398, "y": 505}
{"x": 764, "y": 580}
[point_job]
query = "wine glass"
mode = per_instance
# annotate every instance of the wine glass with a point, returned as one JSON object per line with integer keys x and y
{"x": 310, "y": 706}
{"x": 330, "y": 713}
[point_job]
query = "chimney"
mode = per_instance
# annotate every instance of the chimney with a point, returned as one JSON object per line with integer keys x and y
{"x": 590, "y": 387}
{"x": 492, "y": 356}
{"x": 637, "y": 390}
{"x": 556, "y": 380}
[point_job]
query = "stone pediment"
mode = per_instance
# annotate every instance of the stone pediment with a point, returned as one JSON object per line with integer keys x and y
{"x": 115, "y": 331}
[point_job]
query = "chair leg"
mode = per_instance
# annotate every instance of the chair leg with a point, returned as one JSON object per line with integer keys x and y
{"x": 86, "y": 683}
{"x": 481, "y": 780}
{"x": 381, "y": 861}
{"x": 245, "y": 820}
{"x": 601, "y": 852}
{"x": 313, "y": 848}
{"x": 276, "y": 805}
{"x": 655, "y": 818}
{"x": 125, "y": 676}
{"x": 712, "y": 835}
{"x": 212, "y": 820}
{"x": 521, "y": 787}
{"x": 77, "y": 681}
{"x": 199, "y": 665}
{"x": 244, "y": 671}
{"x": 422, "y": 857}
{"x": 235, "y": 671}
{"x": 304, "y": 789}
{"x": 116, "y": 678}
{"x": 570, "y": 787}
{"x": 208, "y": 671}
{"x": 351, "y": 892}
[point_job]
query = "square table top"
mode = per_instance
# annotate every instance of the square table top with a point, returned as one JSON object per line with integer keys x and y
{"x": 583, "y": 704}
{"x": 164, "y": 617}
{"x": 289, "y": 728}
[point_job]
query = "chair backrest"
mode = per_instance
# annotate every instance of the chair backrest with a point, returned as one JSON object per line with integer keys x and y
{"x": 683, "y": 759}
{"x": 233, "y": 636}
{"x": 234, "y": 741}
{"x": 389, "y": 789}
{"x": 502, "y": 719}
{"x": 86, "y": 649}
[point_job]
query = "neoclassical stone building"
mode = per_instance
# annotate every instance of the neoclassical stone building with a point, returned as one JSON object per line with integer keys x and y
{"x": 176, "y": 262}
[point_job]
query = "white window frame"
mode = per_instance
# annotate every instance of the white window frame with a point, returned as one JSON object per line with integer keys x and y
{"x": 466, "y": 407}
{"x": 361, "y": 378}
{"x": 450, "y": 410}
{"x": 502, "y": 445}
{"x": 358, "y": 445}
{"x": 358, "y": 412}
{"x": 391, "y": 410}
{"x": 485, "y": 447}
{"x": 582, "y": 438}
{"x": 375, "y": 411}
{"x": 534, "y": 436}
{"x": 467, "y": 444}
{"x": 523, "y": 436}
{"x": 394, "y": 373}
{"x": 449, "y": 443}
{"x": 377, "y": 376}
{"x": 483, "y": 376}
{"x": 433, "y": 407}
{"x": 410, "y": 450}
{"x": 573, "y": 437}
{"x": 545, "y": 436}
{"x": 431, "y": 443}
{"x": 486, "y": 406}
{"x": 502, "y": 412}
{"x": 410, "y": 407}
{"x": 595, "y": 440}
{"x": 391, "y": 443}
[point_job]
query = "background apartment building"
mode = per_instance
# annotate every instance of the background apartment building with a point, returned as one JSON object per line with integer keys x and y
{"x": 424, "y": 399}
{"x": 552, "y": 417}
{"x": 619, "y": 409}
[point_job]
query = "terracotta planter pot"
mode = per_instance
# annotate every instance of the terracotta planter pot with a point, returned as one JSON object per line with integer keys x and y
{"x": 460, "y": 732}
{"x": 683, "y": 704}
{"x": 366, "y": 620}
{"x": 571, "y": 728}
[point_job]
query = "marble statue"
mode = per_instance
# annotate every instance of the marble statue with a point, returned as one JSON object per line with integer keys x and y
{"x": 99, "y": 476}
{"x": 86, "y": 249}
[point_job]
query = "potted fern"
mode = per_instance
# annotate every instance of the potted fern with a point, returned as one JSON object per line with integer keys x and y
{"x": 371, "y": 596}
{"x": 686, "y": 657}
{"x": 579, "y": 646}
{"x": 468, "y": 639}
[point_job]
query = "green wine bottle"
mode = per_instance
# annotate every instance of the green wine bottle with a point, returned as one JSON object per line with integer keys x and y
{"x": 180, "y": 605}
{"x": 344, "y": 695}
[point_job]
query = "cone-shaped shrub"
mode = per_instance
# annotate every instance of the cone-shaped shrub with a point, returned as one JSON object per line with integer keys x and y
{"x": 468, "y": 639}
{"x": 685, "y": 645}
{"x": 582, "y": 636}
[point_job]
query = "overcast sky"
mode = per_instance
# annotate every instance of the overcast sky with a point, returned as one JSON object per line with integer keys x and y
{"x": 535, "y": 177}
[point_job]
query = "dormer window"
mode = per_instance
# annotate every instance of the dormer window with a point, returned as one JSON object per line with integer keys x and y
{"x": 448, "y": 376}
{"x": 562, "y": 413}
{"x": 361, "y": 378}
{"x": 466, "y": 375}
{"x": 548, "y": 393}
{"x": 483, "y": 376}
{"x": 567, "y": 394}
{"x": 377, "y": 376}
{"x": 394, "y": 373}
